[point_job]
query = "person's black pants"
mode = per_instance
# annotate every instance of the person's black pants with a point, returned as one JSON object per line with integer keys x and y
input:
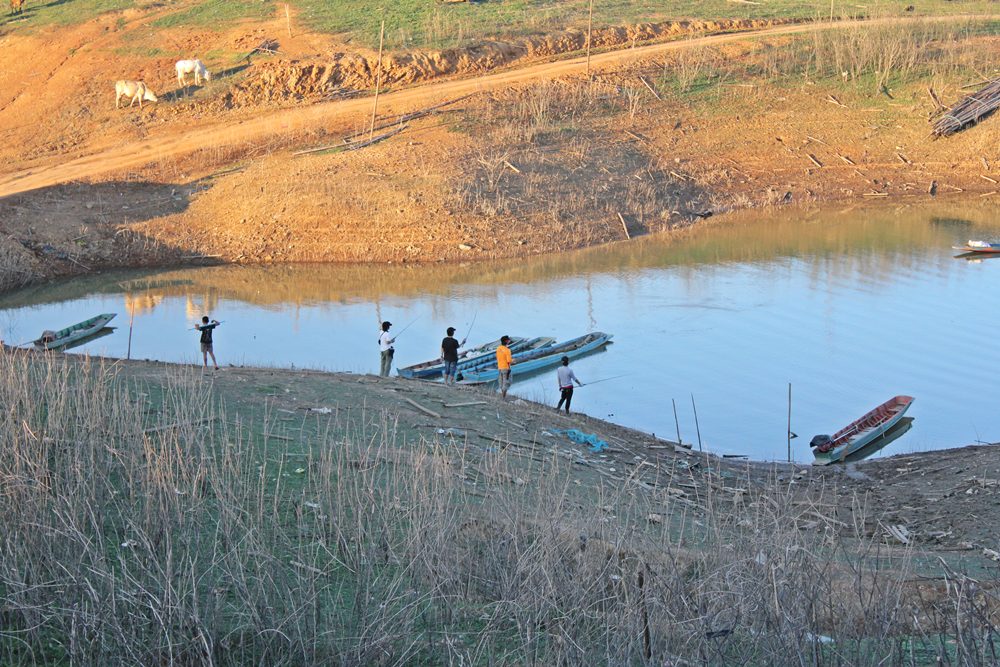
{"x": 566, "y": 394}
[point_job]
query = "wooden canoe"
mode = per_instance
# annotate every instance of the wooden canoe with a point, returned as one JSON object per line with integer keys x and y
{"x": 475, "y": 357}
{"x": 435, "y": 367}
{"x": 537, "y": 360}
{"x": 861, "y": 432}
{"x": 981, "y": 247}
{"x": 57, "y": 340}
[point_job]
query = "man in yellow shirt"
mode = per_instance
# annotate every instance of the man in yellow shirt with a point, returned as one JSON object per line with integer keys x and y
{"x": 504, "y": 361}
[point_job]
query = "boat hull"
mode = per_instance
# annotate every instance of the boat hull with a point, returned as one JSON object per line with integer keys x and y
{"x": 435, "y": 367}
{"x": 548, "y": 357}
{"x": 864, "y": 431}
{"x": 74, "y": 334}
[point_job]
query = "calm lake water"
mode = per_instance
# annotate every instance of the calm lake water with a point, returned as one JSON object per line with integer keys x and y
{"x": 850, "y": 307}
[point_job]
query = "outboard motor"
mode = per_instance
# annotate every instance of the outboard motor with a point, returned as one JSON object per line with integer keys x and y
{"x": 822, "y": 443}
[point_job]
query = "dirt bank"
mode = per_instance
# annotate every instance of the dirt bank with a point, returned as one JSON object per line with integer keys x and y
{"x": 535, "y": 160}
{"x": 944, "y": 501}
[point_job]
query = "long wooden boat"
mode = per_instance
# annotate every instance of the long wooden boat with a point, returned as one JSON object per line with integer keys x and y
{"x": 57, "y": 340}
{"x": 981, "y": 247}
{"x": 536, "y": 360}
{"x": 435, "y": 367}
{"x": 859, "y": 433}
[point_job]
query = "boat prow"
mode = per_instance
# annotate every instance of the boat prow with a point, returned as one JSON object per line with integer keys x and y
{"x": 862, "y": 432}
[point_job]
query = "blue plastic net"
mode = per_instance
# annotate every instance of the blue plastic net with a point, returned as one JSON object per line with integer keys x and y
{"x": 581, "y": 438}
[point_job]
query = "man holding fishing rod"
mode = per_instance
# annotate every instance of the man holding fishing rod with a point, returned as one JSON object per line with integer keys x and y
{"x": 206, "y": 340}
{"x": 566, "y": 378}
{"x": 386, "y": 350}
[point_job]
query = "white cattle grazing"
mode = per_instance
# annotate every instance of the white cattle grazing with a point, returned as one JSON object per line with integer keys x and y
{"x": 135, "y": 90}
{"x": 185, "y": 67}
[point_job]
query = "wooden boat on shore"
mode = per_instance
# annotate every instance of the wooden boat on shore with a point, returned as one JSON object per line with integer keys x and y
{"x": 860, "y": 433}
{"x": 435, "y": 367}
{"x": 63, "y": 338}
{"x": 475, "y": 357}
{"x": 980, "y": 247}
{"x": 540, "y": 359}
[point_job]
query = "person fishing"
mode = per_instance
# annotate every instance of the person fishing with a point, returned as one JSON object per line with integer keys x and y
{"x": 386, "y": 350}
{"x": 449, "y": 355}
{"x": 566, "y": 378}
{"x": 206, "y": 340}
{"x": 504, "y": 361}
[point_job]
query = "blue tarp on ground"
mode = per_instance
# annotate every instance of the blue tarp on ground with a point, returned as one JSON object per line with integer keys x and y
{"x": 581, "y": 438}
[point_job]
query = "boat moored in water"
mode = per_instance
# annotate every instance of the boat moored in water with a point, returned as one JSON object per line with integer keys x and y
{"x": 979, "y": 247}
{"x": 540, "y": 359}
{"x": 860, "y": 433}
{"x": 63, "y": 338}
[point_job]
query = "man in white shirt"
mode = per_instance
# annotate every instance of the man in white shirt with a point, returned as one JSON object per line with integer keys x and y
{"x": 386, "y": 350}
{"x": 566, "y": 378}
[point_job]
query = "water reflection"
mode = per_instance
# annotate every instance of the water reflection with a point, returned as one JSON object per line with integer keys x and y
{"x": 848, "y": 306}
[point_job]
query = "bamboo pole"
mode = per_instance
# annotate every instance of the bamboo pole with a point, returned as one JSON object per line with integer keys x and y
{"x": 590, "y": 30}
{"x": 378, "y": 79}
{"x": 677, "y": 422}
{"x": 696, "y": 426}
{"x": 131, "y": 319}
{"x": 789, "y": 429}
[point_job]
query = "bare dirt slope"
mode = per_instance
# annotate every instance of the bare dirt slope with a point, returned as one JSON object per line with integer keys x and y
{"x": 177, "y": 141}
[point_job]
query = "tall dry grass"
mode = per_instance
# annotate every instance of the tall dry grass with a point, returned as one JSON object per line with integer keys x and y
{"x": 124, "y": 542}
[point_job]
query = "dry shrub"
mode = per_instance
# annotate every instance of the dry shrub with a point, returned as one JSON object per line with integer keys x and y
{"x": 142, "y": 531}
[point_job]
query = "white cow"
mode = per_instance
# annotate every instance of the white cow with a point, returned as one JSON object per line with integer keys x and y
{"x": 185, "y": 67}
{"x": 136, "y": 90}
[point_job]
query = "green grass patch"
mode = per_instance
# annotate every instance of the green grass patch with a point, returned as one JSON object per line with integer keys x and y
{"x": 218, "y": 13}
{"x": 68, "y": 12}
{"x": 422, "y": 24}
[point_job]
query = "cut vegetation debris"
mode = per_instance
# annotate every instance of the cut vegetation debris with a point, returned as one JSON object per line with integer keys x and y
{"x": 969, "y": 110}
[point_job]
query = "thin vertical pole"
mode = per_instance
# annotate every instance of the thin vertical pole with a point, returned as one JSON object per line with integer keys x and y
{"x": 697, "y": 428}
{"x": 677, "y": 422}
{"x": 288, "y": 21}
{"x": 831, "y": 11}
{"x": 789, "y": 434}
{"x": 378, "y": 78}
{"x": 590, "y": 28}
{"x": 131, "y": 319}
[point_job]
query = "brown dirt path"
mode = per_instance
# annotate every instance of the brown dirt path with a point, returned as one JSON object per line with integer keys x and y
{"x": 174, "y": 142}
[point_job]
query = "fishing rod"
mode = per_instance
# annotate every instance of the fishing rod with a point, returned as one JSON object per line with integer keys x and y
{"x": 613, "y": 377}
{"x": 470, "y": 327}
{"x": 405, "y": 328}
{"x": 195, "y": 327}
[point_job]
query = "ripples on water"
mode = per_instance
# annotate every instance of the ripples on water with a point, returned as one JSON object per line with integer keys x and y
{"x": 850, "y": 307}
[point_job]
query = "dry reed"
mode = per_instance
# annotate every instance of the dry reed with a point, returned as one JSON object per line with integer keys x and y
{"x": 155, "y": 531}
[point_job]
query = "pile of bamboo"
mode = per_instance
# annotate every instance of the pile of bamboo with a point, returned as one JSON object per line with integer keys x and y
{"x": 970, "y": 110}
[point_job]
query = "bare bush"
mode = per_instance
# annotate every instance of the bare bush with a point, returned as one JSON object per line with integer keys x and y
{"x": 142, "y": 531}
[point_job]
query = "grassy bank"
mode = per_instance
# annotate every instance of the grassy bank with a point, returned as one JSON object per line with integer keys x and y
{"x": 154, "y": 515}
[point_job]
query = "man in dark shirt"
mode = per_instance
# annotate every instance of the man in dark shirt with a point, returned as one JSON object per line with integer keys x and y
{"x": 449, "y": 355}
{"x": 206, "y": 340}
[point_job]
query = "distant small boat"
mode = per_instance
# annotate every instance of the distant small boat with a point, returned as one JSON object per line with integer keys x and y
{"x": 859, "y": 433}
{"x": 978, "y": 247}
{"x": 57, "y": 340}
{"x": 435, "y": 367}
{"x": 536, "y": 360}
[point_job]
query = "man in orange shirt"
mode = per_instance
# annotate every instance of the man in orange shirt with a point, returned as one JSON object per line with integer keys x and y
{"x": 504, "y": 361}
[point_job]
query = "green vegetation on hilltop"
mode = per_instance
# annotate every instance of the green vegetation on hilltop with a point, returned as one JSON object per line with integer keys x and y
{"x": 425, "y": 24}
{"x": 218, "y": 13}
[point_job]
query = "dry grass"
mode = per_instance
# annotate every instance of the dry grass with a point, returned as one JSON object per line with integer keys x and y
{"x": 208, "y": 543}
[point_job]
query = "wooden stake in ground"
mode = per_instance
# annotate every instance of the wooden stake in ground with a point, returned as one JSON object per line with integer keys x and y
{"x": 625, "y": 227}
{"x": 378, "y": 79}
{"x": 131, "y": 319}
{"x": 590, "y": 29}
{"x": 288, "y": 21}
